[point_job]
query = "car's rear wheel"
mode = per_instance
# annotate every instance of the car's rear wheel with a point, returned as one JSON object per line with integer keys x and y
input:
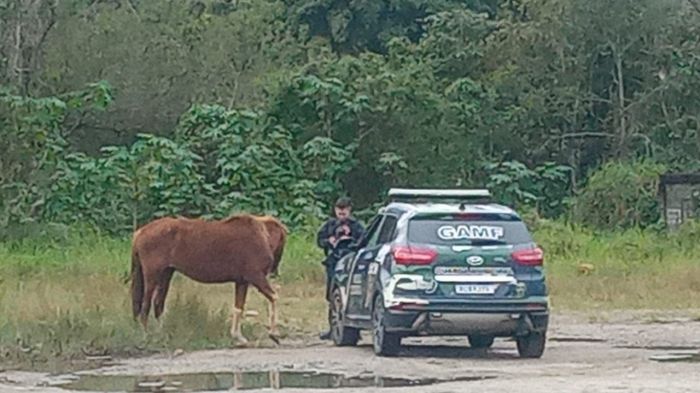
{"x": 532, "y": 345}
{"x": 480, "y": 341}
{"x": 384, "y": 343}
{"x": 342, "y": 335}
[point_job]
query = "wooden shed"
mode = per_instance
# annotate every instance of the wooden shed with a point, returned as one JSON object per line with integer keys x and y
{"x": 680, "y": 197}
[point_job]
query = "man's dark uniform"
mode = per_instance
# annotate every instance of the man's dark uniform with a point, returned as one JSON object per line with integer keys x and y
{"x": 334, "y": 227}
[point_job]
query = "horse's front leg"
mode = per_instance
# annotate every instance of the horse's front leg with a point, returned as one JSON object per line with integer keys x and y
{"x": 272, "y": 312}
{"x": 265, "y": 288}
{"x": 238, "y": 306}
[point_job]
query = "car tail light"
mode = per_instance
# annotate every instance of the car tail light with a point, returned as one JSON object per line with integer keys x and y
{"x": 532, "y": 257}
{"x": 406, "y": 255}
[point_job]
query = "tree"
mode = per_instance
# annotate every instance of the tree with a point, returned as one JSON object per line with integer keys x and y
{"x": 369, "y": 25}
{"x": 25, "y": 26}
{"x": 33, "y": 133}
{"x": 172, "y": 55}
{"x": 587, "y": 81}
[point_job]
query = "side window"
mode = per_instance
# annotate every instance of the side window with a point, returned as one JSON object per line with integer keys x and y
{"x": 373, "y": 232}
{"x": 386, "y": 234}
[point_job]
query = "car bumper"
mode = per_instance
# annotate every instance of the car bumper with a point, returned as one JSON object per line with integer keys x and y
{"x": 449, "y": 317}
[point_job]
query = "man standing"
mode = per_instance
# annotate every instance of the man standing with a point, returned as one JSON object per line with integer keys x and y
{"x": 335, "y": 232}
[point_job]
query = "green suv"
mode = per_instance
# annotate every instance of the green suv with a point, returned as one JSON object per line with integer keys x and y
{"x": 442, "y": 262}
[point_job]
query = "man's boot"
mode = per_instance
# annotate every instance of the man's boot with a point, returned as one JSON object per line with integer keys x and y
{"x": 327, "y": 334}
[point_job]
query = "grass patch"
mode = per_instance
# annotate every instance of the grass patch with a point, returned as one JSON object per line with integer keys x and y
{"x": 65, "y": 297}
{"x": 68, "y": 297}
{"x": 635, "y": 269}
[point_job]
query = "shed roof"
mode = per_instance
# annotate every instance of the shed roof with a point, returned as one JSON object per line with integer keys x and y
{"x": 680, "y": 178}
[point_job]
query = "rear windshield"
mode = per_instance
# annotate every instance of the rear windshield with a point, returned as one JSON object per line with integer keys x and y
{"x": 482, "y": 229}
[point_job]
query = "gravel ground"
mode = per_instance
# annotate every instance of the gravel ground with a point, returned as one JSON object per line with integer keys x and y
{"x": 610, "y": 352}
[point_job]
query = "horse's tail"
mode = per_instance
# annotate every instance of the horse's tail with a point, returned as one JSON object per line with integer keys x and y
{"x": 277, "y": 258}
{"x": 277, "y": 253}
{"x": 136, "y": 283}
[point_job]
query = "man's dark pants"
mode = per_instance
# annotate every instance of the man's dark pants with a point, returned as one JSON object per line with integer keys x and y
{"x": 329, "y": 264}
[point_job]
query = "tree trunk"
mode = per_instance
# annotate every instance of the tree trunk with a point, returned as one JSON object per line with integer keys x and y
{"x": 24, "y": 30}
{"x": 622, "y": 116}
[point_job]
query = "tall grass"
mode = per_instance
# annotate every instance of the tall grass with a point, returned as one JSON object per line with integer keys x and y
{"x": 630, "y": 269}
{"x": 67, "y": 295}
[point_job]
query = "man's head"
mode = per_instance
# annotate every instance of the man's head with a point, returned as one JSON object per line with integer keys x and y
{"x": 343, "y": 208}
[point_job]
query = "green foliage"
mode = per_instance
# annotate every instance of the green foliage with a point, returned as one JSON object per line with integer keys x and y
{"x": 34, "y": 140}
{"x": 353, "y": 26}
{"x": 544, "y": 187}
{"x": 254, "y": 163}
{"x": 154, "y": 177}
{"x": 309, "y": 99}
{"x": 220, "y": 162}
{"x": 621, "y": 195}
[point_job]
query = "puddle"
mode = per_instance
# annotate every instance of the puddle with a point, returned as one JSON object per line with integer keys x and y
{"x": 578, "y": 339}
{"x": 658, "y": 347}
{"x": 677, "y": 357}
{"x": 242, "y": 381}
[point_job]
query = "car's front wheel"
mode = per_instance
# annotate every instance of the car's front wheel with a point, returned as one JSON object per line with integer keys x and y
{"x": 532, "y": 345}
{"x": 384, "y": 343}
{"x": 342, "y": 335}
{"x": 480, "y": 342}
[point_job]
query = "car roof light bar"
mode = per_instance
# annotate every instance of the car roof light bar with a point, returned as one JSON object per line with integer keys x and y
{"x": 430, "y": 194}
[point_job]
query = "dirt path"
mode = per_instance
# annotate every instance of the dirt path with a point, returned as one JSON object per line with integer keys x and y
{"x": 612, "y": 355}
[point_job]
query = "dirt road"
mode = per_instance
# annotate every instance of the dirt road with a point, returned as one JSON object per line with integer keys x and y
{"x": 615, "y": 353}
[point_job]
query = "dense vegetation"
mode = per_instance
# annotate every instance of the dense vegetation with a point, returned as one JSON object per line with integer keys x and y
{"x": 116, "y": 111}
{"x": 113, "y": 112}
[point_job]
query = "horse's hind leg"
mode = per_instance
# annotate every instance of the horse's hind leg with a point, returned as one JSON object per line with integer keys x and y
{"x": 162, "y": 291}
{"x": 237, "y": 312}
{"x": 151, "y": 282}
{"x": 265, "y": 288}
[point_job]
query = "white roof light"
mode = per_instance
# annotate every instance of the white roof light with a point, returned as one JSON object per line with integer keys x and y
{"x": 439, "y": 193}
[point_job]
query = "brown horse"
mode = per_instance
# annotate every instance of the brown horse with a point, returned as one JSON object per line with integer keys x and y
{"x": 243, "y": 249}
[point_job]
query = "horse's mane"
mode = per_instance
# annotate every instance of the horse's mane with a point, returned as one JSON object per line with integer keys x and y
{"x": 264, "y": 219}
{"x": 238, "y": 216}
{"x": 247, "y": 220}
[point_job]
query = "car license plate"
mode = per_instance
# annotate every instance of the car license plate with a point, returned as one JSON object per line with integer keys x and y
{"x": 476, "y": 289}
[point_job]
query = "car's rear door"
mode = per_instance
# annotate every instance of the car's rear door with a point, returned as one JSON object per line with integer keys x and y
{"x": 375, "y": 259}
{"x": 359, "y": 265}
{"x": 366, "y": 268}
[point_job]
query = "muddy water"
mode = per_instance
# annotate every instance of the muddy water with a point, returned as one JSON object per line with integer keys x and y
{"x": 677, "y": 357}
{"x": 241, "y": 381}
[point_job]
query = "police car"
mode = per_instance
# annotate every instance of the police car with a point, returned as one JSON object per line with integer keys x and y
{"x": 442, "y": 262}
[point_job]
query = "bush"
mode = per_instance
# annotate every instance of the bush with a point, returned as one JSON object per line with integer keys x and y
{"x": 620, "y": 195}
{"x": 544, "y": 188}
{"x": 220, "y": 162}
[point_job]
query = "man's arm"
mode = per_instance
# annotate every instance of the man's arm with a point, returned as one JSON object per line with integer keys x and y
{"x": 323, "y": 235}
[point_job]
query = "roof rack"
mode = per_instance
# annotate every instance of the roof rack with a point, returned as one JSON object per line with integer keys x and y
{"x": 453, "y": 195}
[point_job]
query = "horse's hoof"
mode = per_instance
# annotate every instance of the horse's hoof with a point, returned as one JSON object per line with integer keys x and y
{"x": 239, "y": 338}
